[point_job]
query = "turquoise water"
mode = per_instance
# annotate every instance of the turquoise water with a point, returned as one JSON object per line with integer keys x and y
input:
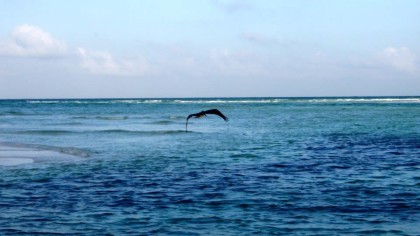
{"x": 299, "y": 166}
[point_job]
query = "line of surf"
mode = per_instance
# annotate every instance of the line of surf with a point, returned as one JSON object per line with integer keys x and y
{"x": 234, "y": 100}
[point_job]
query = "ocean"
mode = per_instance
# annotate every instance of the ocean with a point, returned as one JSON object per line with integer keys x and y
{"x": 282, "y": 166}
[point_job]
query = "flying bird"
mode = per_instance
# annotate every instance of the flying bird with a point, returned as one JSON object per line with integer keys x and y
{"x": 205, "y": 113}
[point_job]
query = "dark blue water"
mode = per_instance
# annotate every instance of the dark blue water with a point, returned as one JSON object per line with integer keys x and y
{"x": 298, "y": 166}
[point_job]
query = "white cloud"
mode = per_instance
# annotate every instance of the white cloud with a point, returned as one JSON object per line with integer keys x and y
{"x": 399, "y": 58}
{"x": 259, "y": 38}
{"x": 28, "y": 40}
{"x": 238, "y": 63}
{"x": 103, "y": 63}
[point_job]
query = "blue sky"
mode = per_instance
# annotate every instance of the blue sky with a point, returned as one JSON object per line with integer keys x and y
{"x": 208, "y": 48}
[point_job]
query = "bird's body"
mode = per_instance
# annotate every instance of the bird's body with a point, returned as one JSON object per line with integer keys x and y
{"x": 205, "y": 113}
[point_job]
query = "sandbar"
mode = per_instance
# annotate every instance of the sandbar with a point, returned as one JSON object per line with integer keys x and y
{"x": 20, "y": 155}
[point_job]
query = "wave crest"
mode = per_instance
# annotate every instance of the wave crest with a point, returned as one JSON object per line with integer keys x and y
{"x": 235, "y": 100}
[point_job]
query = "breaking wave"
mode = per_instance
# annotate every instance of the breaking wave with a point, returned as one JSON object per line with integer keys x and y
{"x": 236, "y": 100}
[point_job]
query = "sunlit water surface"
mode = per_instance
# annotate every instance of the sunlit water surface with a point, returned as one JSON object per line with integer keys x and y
{"x": 306, "y": 166}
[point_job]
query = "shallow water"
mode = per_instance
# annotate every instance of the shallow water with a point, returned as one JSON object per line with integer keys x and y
{"x": 305, "y": 166}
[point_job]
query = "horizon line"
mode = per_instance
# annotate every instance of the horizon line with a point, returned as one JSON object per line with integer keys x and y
{"x": 221, "y": 97}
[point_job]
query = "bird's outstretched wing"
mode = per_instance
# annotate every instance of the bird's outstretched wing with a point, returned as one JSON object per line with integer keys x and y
{"x": 203, "y": 113}
{"x": 196, "y": 115}
{"x": 216, "y": 112}
{"x": 190, "y": 116}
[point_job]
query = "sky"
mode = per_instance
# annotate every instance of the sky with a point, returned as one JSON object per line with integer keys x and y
{"x": 208, "y": 48}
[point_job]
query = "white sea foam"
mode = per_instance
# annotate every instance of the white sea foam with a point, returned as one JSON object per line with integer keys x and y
{"x": 44, "y": 102}
{"x": 233, "y": 101}
{"x": 364, "y": 100}
{"x": 236, "y": 100}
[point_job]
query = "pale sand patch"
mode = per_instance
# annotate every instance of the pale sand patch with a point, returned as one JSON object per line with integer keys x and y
{"x": 11, "y": 156}
{"x": 15, "y": 161}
